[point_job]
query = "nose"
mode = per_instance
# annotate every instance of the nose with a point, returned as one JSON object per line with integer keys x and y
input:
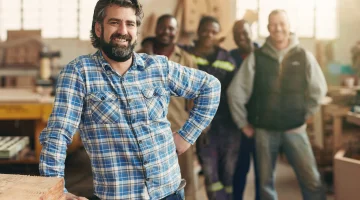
{"x": 242, "y": 37}
{"x": 122, "y": 29}
{"x": 209, "y": 34}
{"x": 278, "y": 27}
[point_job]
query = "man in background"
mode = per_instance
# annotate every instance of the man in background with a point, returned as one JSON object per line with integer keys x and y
{"x": 245, "y": 46}
{"x": 217, "y": 149}
{"x": 276, "y": 89}
{"x": 179, "y": 108}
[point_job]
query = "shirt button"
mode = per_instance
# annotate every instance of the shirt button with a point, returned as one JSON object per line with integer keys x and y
{"x": 147, "y": 179}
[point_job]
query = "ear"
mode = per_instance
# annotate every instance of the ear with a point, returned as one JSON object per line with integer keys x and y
{"x": 98, "y": 29}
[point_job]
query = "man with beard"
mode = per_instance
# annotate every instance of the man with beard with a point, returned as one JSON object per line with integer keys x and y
{"x": 164, "y": 44}
{"x": 242, "y": 38}
{"x": 276, "y": 89}
{"x": 218, "y": 148}
{"x": 118, "y": 100}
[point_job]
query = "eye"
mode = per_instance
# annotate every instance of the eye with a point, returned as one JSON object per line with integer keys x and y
{"x": 114, "y": 22}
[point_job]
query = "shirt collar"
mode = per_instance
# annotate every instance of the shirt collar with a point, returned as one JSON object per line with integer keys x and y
{"x": 177, "y": 51}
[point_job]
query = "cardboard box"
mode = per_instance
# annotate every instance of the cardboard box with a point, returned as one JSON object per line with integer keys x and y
{"x": 24, "y": 52}
{"x": 346, "y": 177}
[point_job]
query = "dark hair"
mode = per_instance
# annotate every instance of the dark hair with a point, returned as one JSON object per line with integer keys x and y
{"x": 148, "y": 39}
{"x": 163, "y": 17}
{"x": 100, "y": 13}
{"x": 206, "y": 19}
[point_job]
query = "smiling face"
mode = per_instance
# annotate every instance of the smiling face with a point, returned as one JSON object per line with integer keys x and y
{"x": 118, "y": 33}
{"x": 242, "y": 35}
{"x": 279, "y": 27}
{"x": 207, "y": 33}
{"x": 166, "y": 31}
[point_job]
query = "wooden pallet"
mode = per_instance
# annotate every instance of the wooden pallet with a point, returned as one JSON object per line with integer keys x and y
{"x": 20, "y": 187}
{"x": 10, "y": 146}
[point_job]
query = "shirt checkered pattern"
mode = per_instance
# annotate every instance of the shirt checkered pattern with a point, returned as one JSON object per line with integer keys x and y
{"x": 122, "y": 122}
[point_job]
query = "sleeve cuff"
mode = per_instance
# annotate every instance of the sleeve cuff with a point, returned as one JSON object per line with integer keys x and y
{"x": 189, "y": 132}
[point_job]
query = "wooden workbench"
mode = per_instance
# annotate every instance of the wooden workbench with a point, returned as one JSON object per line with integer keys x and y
{"x": 353, "y": 118}
{"x": 24, "y": 104}
{"x": 337, "y": 113}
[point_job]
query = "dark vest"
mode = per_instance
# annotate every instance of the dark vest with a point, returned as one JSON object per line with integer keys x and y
{"x": 280, "y": 90}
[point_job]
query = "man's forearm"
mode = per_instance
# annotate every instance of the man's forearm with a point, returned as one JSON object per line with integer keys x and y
{"x": 205, "y": 107}
{"x": 240, "y": 90}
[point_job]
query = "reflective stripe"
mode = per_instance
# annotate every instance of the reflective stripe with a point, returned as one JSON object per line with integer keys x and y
{"x": 228, "y": 189}
{"x": 216, "y": 187}
{"x": 225, "y": 65}
{"x": 201, "y": 61}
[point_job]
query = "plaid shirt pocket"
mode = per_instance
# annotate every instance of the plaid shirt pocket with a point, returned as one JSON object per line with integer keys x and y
{"x": 156, "y": 102}
{"x": 104, "y": 108}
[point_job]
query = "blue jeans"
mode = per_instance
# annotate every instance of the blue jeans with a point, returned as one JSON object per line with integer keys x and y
{"x": 297, "y": 149}
{"x": 178, "y": 195}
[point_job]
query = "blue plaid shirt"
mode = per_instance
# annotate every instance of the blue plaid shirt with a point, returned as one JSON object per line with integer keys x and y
{"x": 123, "y": 125}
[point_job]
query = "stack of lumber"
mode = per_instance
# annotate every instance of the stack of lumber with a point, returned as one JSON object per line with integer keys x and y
{"x": 20, "y": 187}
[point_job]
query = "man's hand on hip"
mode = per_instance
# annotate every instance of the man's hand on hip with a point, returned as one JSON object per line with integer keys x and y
{"x": 181, "y": 144}
{"x": 248, "y": 130}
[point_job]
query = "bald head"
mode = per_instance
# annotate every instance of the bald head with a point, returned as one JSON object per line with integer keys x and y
{"x": 242, "y": 35}
{"x": 279, "y": 12}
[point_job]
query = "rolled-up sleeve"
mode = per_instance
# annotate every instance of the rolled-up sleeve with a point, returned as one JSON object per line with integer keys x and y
{"x": 63, "y": 121}
{"x": 194, "y": 84}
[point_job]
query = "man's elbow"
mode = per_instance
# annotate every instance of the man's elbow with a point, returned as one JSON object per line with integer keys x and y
{"x": 214, "y": 84}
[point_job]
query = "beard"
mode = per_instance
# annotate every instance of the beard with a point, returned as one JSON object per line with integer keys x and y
{"x": 115, "y": 51}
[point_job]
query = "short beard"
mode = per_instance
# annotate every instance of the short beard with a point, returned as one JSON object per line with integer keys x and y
{"x": 116, "y": 52}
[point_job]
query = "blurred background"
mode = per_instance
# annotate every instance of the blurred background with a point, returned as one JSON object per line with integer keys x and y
{"x": 39, "y": 37}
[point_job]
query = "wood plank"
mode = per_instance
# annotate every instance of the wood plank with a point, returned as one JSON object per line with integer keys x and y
{"x": 337, "y": 135}
{"x": 46, "y": 111}
{"x": 353, "y": 118}
{"x": 20, "y": 187}
{"x": 23, "y": 161}
{"x": 19, "y": 95}
{"x": 20, "y": 111}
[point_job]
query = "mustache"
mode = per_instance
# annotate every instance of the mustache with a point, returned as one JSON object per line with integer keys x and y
{"x": 122, "y": 37}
